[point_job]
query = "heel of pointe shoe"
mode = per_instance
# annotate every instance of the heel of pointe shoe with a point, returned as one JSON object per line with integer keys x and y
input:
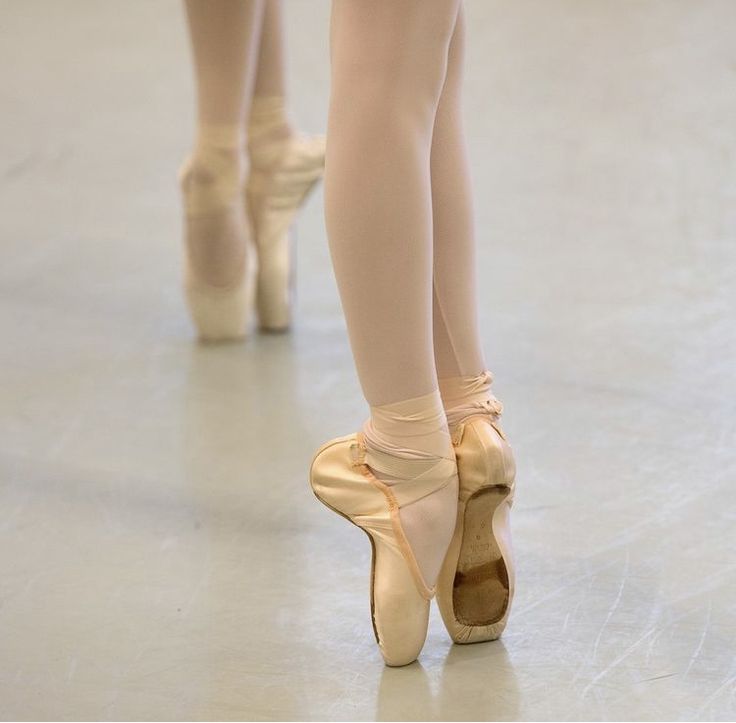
{"x": 220, "y": 314}
{"x": 399, "y": 609}
{"x": 477, "y": 581}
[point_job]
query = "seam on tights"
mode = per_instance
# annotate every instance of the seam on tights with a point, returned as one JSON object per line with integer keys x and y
{"x": 443, "y": 319}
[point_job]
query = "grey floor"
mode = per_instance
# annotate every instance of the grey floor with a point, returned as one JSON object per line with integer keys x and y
{"x": 161, "y": 555}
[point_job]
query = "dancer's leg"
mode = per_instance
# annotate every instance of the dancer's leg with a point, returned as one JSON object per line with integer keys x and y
{"x": 457, "y": 340}
{"x": 389, "y": 61}
{"x": 225, "y": 39}
{"x": 284, "y": 167}
{"x": 457, "y": 345}
{"x": 268, "y": 120}
{"x": 270, "y": 77}
{"x": 224, "y": 36}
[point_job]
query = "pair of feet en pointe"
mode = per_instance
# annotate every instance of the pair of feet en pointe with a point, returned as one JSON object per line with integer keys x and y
{"x": 239, "y": 208}
{"x": 475, "y": 583}
{"x": 240, "y": 203}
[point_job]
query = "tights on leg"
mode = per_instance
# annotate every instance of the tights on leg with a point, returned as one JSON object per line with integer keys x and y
{"x": 224, "y": 37}
{"x": 388, "y": 67}
{"x": 463, "y": 379}
{"x": 389, "y": 61}
{"x": 268, "y": 121}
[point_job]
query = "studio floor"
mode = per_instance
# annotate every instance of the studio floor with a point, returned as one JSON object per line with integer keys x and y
{"x": 161, "y": 554}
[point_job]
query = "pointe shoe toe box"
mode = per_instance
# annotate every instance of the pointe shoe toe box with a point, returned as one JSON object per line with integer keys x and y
{"x": 340, "y": 484}
{"x": 399, "y": 607}
{"x": 400, "y": 620}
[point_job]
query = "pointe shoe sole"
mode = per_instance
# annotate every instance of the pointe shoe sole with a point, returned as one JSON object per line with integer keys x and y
{"x": 476, "y": 584}
{"x": 399, "y": 612}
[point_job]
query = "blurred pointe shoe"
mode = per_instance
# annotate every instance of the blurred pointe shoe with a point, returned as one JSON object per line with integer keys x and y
{"x": 282, "y": 175}
{"x": 400, "y": 595}
{"x": 476, "y": 584}
{"x": 220, "y": 258}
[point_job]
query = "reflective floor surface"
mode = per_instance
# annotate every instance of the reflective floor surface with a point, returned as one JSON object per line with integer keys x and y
{"x": 161, "y": 555}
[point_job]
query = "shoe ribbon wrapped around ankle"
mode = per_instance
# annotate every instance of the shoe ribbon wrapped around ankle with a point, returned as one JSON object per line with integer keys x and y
{"x": 468, "y": 396}
{"x": 424, "y": 483}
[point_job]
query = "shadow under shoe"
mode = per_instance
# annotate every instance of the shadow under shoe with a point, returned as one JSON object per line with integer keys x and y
{"x": 475, "y": 588}
{"x": 400, "y": 596}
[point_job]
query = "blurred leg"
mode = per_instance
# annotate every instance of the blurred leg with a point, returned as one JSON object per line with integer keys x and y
{"x": 284, "y": 167}
{"x": 224, "y": 36}
{"x": 270, "y": 76}
{"x": 225, "y": 39}
{"x": 268, "y": 120}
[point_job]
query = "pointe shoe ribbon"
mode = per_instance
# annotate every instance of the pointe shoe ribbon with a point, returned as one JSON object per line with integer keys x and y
{"x": 467, "y": 399}
{"x": 403, "y": 494}
{"x": 419, "y": 485}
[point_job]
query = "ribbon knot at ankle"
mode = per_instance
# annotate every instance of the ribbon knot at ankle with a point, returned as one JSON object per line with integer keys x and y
{"x": 471, "y": 392}
{"x": 468, "y": 396}
{"x": 492, "y": 406}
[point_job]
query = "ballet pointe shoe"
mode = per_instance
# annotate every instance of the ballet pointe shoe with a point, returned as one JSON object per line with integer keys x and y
{"x": 275, "y": 192}
{"x": 476, "y": 583}
{"x": 400, "y": 597}
{"x": 220, "y": 311}
{"x": 220, "y": 314}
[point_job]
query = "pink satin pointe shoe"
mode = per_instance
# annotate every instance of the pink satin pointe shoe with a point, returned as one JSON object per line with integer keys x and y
{"x": 275, "y": 192}
{"x": 475, "y": 588}
{"x": 220, "y": 258}
{"x": 399, "y": 594}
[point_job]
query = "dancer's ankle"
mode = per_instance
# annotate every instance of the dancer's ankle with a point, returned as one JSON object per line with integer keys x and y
{"x": 411, "y": 429}
{"x": 222, "y": 141}
{"x": 408, "y": 443}
{"x": 468, "y": 396}
{"x": 269, "y": 129}
{"x": 213, "y": 176}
